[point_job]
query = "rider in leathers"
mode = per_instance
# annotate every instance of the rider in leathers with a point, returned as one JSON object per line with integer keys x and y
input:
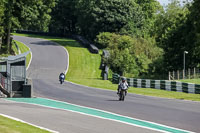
{"x": 122, "y": 85}
{"x": 62, "y": 76}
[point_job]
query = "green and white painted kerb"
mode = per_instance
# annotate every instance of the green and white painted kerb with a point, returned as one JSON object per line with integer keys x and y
{"x": 99, "y": 114}
{"x": 161, "y": 84}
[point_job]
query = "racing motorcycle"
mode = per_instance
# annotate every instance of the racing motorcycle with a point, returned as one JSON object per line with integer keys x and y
{"x": 122, "y": 94}
{"x": 61, "y": 80}
{"x": 122, "y": 89}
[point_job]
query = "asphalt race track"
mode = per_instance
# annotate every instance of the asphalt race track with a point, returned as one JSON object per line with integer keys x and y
{"x": 50, "y": 59}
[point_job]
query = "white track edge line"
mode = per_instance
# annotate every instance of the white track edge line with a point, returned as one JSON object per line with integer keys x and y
{"x": 108, "y": 118}
{"x": 30, "y": 53}
{"x": 16, "y": 119}
{"x": 92, "y": 116}
{"x": 118, "y": 115}
{"x": 66, "y": 70}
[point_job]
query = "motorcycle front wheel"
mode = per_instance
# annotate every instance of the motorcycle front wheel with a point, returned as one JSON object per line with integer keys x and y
{"x": 122, "y": 96}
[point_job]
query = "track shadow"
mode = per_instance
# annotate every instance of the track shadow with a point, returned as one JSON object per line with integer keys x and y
{"x": 112, "y": 100}
{"x": 44, "y": 43}
{"x": 70, "y": 43}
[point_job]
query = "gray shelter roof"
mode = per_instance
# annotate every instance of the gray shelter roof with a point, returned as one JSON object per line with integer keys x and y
{"x": 14, "y": 59}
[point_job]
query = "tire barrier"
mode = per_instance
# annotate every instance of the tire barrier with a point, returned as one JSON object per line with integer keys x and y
{"x": 104, "y": 67}
{"x": 161, "y": 84}
{"x": 115, "y": 78}
{"x": 92, "y": 48}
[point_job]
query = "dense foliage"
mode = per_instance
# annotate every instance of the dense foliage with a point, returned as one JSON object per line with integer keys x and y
{"x": 23, "y": 14}
{"x": 144, "y": 38}
{"x": 129, "y": 55}
{"x": 1, "y": 16}
{"x": 179, "y": 32}
{"x": 64, "y": 17}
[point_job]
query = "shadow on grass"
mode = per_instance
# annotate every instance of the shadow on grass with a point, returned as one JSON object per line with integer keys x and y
{"x": 69, "y": 42}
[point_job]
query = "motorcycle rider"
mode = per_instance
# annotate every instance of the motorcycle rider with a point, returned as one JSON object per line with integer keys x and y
{"x": 62, "y": 76}
{"x": 122, "y": 85}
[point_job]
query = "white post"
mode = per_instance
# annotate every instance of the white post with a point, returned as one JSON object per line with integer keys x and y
{"x": 185, "y": 52}
{"x": 189, "y": 72}
{"x": 178, "y": 74}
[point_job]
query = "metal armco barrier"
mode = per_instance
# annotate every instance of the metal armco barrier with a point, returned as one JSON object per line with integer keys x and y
{"x": 2, "y": 80}
{"x": 161, "y": 84}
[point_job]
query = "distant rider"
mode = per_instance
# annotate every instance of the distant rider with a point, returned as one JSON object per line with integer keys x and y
{"x": 62, "y": 76}
{"x": 122, "y": 85}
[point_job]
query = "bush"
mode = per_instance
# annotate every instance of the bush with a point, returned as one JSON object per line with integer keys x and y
{"x": 129, "y": 55}
{"x": 104, "y": 39}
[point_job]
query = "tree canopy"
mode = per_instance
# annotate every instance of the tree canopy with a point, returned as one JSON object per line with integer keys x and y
{"x": 129, "y": 55}
{"x": 143, "y": 37}
{"x": 23, "y": 14}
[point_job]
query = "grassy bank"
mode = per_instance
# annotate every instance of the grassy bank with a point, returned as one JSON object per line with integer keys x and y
{"x": 12, "y": 126}
{"x": 84, "y": 69}
{"x": 23, "y": 48}
{"x": 195, "y": 81}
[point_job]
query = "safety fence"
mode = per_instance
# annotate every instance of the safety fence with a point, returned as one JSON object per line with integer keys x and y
{"x": 2, "y": 80}
{"x": 187, "y": 74}
{"x": 161, "y": 84}
{"x": 5, "y": 84}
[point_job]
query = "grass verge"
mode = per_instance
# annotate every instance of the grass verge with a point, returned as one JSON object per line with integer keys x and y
{"x": 195, "y": 81}
{"x": 84, "y": 69}
{"x": 11, "y": 126}
{"x": 23, "y": 48}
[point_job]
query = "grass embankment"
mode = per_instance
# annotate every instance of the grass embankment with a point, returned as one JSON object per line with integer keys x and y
{"x": 84, "y": 69}
{"x": 12, "y": 126}
{"x": 23, "y": 48}
{"x": 195, "y": 81}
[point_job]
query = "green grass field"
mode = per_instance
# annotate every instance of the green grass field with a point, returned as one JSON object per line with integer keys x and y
{"x": 84, "y": 69}
{"x": 11, "y": 126}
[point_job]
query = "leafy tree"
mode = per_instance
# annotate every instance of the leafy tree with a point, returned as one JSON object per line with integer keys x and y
{"x": 8, "y": 24}
{"x": 96, "y": 16}
{"x": 181, "y": 34}
{"x": 150, "y": 9}
{"x": 191, "y": 35}
{"x": 2, "y": 8}
{"x": 34, "y": 15}
{"x": 128, "y": 54}
{"x": 104, "y": 39}
{"x": 170, "y": 25}
{"x": 120, "y": 59}
{"x": 64, "y": 17}
{"x": 31, "y": 15}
